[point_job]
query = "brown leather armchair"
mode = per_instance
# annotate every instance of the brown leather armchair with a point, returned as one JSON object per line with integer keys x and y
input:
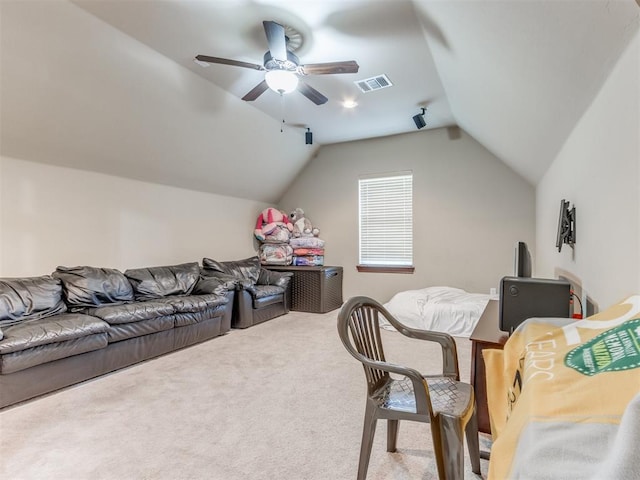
{"x": 260, "y": 294}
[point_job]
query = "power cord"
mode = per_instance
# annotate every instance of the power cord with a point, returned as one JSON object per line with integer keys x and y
{"x": 576, "y": 315}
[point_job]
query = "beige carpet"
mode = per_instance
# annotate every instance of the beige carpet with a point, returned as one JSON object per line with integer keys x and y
{"x": 282, "y": 400}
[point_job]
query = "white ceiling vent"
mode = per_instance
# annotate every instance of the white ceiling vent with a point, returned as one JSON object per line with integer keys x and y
{"x": 374, "y": 83}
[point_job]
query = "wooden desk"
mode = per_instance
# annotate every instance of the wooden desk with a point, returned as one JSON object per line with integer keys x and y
{"x": 487, "y": 334}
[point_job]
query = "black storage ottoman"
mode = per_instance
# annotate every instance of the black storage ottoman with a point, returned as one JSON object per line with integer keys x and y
{"x": 314, "y": 289}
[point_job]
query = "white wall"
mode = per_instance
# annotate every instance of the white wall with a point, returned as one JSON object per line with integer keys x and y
{"x": 469, "y": 210}
{"x": 76, "y": 92}
{"x": 598, "y": 170}
{"x": 52, "y": 216}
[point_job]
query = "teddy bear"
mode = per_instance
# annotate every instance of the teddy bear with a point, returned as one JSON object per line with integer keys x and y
{"x": 302, "y": 226}
{"x": 273, "y": 226}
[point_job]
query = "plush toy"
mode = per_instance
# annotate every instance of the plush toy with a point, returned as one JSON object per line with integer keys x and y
{"x": 302, "y": 226}
{"x": 272, "y": 220}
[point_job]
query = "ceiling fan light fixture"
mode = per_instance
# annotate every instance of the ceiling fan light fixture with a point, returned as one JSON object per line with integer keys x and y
{"x": 281, "y": 81}
{"x": 283, "y": 67}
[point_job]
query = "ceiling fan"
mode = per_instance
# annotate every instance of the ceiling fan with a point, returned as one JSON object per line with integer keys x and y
{"x": 283, "y": 68}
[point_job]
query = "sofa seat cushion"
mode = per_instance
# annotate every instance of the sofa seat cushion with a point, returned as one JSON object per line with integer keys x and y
{"x": 264, "y": 295}
{"x": 264, "y": 301}
{"x": 263, "y": 291}
{"x": 194, "y": 303}
{"x": 124, "y": 331}
{"x": 50, "y": 330}
{"x": 92, "y": 286}
{"x": 157, "y": 282}
{"x": 131, "y": 312}
{"x": 189, "y": 318}
{"x": 30, "y": 357}
{"x": 29, "y": 298}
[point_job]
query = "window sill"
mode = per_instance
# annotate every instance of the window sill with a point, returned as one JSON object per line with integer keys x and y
{"x": 384, "y": 269}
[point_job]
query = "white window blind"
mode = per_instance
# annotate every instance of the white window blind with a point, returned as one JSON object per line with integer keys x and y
{"x": 386, "y": 220}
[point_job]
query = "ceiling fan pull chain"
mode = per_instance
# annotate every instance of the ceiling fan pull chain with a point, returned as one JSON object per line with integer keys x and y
{"x": 282, "y": 112}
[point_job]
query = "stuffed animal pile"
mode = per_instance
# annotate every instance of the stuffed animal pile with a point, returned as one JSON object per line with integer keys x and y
{"x": 288, "y": 239}
{"x": 308, "y": 249}
{"x": 273, "y": 230}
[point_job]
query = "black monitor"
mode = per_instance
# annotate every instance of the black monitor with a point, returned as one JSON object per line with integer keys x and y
{"x": 522, "y": 261}
{"x": 522, "y": 298}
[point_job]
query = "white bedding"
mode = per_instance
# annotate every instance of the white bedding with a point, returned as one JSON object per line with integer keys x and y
{"x": 442, "y": 309}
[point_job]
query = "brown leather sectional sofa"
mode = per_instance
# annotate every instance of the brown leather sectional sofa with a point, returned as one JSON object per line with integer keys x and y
{"x": 81, "y": 322}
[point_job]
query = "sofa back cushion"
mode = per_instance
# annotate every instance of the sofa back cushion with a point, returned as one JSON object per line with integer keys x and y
{"x": 247, "y": 270}
{"x": 29, "y": 298}
{"x": 157, "y": 282}
{"x": 93, "y": 286}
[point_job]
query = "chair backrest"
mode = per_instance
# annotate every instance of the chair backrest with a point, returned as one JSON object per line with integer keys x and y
{"x": 359, "y": 330}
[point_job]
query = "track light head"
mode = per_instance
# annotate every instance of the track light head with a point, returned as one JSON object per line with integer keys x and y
{"x": 308, "y": 137}
{"x": 419, "y": 119}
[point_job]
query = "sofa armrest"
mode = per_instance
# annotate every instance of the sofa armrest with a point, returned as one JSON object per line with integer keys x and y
{"x": 219, "y": 283}
{"x": 272, "y": 277}
{"x": 243, "y": 309}
{"x": 245, "y": 271}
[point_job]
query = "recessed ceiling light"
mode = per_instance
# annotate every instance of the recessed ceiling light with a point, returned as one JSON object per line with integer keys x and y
{"x": 349, "y": 104}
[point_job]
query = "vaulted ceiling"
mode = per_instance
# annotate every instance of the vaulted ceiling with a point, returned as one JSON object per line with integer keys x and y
{"x": 517, "y": 75}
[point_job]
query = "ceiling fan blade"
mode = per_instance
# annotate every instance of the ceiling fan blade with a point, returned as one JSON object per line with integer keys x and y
{"x": 226, "y": 61}
{"x": 311, "y": 93}
{"x": 277, "y": 40}
{"x": 350, "y": 66}
{"x": 256, "y": 91}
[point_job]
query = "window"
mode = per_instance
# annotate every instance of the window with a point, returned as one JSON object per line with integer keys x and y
{"x": 386, "y": 223}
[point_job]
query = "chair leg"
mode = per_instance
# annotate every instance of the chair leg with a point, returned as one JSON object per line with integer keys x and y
{"x": 452, "y": 445}
{"x": 473, "y": 443}
{"x": 436, "y": 436}
{"x": 368, "y": 432}
{"x": 392, "y": 435}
